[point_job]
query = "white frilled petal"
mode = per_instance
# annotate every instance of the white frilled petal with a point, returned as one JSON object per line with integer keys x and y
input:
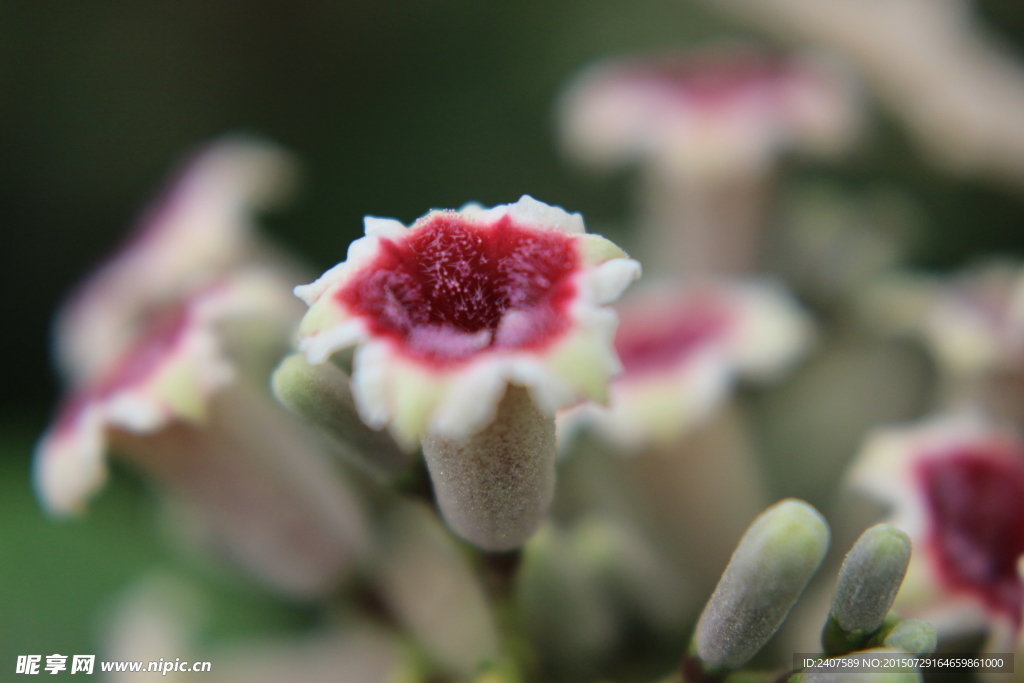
{"x": 342, "y": 336}
{"x": 200, "y": 227}
{"x": 531, "y": 212}
{"x": 70, "y": 463}
{"x": 457, "y": 399}
{"x": 608, "y": 281}
{"x": 528, "y": 211}
{"x": 972, "y": 323}
{"x": 471, "y": 399}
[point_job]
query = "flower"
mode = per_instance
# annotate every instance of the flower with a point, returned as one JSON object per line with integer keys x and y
{"x": 712, "y": 111}
{"x": 955, "y": 485}
{"x": 446, "y": 315}
{"x": 160, "y": 347}
{"x": 707, "y": 128}
{"x": 201, "y": 227}
{"x": 682, "y": 347}
{"x": 975, "y": 322}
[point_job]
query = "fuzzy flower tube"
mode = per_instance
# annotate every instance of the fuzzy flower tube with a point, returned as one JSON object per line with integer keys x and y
{"x": 471, "y": 328}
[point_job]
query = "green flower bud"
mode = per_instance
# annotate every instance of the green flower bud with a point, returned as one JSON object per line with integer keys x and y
{"x": 320, "y": 394}
{"x": 870, "y": 577}
{"x": 769, "y": 570}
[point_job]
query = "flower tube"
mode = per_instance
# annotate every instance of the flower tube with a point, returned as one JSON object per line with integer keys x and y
{"x": 707, "y": 127}
{"x": 471, "y": 328}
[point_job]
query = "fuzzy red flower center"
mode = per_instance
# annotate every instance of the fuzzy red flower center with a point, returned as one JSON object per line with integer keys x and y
{"x": 452, "y": 288}
{"x": 654, "y": 340}
{"x": 975, "y": 497}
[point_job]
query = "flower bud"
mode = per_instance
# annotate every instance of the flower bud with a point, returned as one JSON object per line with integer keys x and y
{"x": 769, "y": 570}
{"x": 869, "y": 579}
{"x": 320, "y": 395}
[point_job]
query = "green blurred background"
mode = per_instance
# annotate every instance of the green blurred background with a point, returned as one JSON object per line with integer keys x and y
{"x": 393, "y": 106}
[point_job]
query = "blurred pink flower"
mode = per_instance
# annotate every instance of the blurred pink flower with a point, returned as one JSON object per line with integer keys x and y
{"x": 160, "y": 373}
{"x": 955, "y": 485}
{"x": 682, "y": 349}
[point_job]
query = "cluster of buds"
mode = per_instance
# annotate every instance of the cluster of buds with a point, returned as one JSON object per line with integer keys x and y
{"x": 768, "y": 572}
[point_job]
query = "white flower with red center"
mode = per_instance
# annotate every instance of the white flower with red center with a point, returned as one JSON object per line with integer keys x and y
{"x": 451, "y": 312}
{"x": 682, "y": 349}
{"x": 956, "y": 487}
{"x": 159, "y": 348}
{"x": 707, "y": 112}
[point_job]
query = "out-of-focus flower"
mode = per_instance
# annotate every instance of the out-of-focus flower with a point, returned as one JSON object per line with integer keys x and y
{"x": 959, "y": 89}
{"x": 159, "y": 345}
{"x": 472, "y": 328}
{"x": 170, "y": 374}
{"x": 682, "y": 349}
{"x": 708, "y": 112}
{"x": 202, "y": 226}
{"x": 708, "y": 127}
{"x": 956, "y": 487}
